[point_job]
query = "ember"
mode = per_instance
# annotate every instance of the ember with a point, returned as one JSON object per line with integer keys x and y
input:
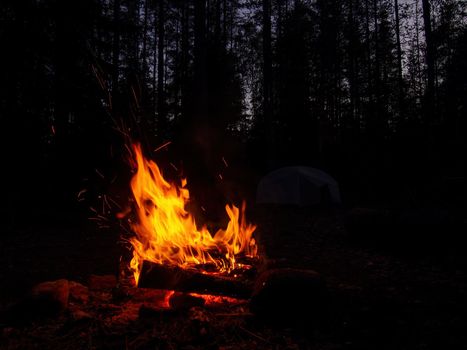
{"x": 167, "y": 234}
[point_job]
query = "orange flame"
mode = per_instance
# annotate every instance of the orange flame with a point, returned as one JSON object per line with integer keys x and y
{"x": 167, "y": 234}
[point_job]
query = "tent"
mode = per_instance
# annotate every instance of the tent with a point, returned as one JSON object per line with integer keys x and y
{"x": 298, "y": 185}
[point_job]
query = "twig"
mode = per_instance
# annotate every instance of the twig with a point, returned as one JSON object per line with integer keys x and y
{"x": 254, "y": 335}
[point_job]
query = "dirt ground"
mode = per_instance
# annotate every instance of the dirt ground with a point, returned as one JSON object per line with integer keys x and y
{"x": 397, "y": 296}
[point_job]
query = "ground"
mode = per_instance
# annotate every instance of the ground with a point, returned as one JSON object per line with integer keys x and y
{"x": 380, "y": 296}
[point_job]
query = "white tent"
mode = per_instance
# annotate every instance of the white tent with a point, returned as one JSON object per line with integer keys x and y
{"x": 298, "y": 185}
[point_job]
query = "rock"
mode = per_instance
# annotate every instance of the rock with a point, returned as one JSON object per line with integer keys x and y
{"x": 46, "y": 299}
{"x": 80, "y": 315}
{"x": 51, "y": 297}
{"x": 104, "y": 282}
{"x": 78, "y": 292}
{"x": 182, "y": 301}
{"x": 288, "y": 295}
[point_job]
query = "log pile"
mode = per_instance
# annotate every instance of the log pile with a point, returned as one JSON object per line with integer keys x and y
{"x": 283, "y": 294}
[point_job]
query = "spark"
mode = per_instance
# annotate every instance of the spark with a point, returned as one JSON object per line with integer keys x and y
{"x": 122, "y": 132}
{"x": 225, "y": 162}
{"x": 103, "y": 207}
{"x": 106, "y": 202}
{"x": 80, "y": 193}
{"x": 163, "y": 146}
{"x": 128, "y": 149}
{"x": 114, "y": 202}
{"x": 135, "y": 97}
{"x": 99, "y": 173}
{"x": 99, "y": 78}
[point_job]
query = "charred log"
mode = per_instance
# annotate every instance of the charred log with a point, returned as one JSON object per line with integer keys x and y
{"x": 172, "y": 277}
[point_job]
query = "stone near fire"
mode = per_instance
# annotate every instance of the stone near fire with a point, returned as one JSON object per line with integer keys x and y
{"x": 51, "y": 297}
{"x": 78, "y": 292}
{"x": 46, "y": 299}
{"x": 287, "y": 294}
{"x": 104, "y": 282}
{"x": 80, "y": 315}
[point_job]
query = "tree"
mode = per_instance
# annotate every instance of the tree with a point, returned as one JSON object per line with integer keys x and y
{"x": 200, "y": 56}
{"x": 161, "y": 100}
{"x": 115, "y": 49}
{"x": 297, "y": 134}
{"x": 399, "y": 56}
{"x": 430, "y": 103}
{"x": 267, "y": 60}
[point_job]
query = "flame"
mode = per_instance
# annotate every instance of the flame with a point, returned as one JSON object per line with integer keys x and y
{"x": 167, "y": 233}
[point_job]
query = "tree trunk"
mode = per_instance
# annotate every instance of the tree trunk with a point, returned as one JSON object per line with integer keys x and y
{"x": 200, "y": 69}
{"x": 378, "y": 123}
{"x": 161, "y": 108}
{"x": 352, "y": 67}
{"x": 369, "y": 74}
{"x": 399, "y": 57}
{"x": 398, "y": 40}
{"x": 217, "y": 22}
{"x": 267, "y": 60}
{"x": 184, "y": 58}
{"x": 418, "y": 83}
{"x": 154, "y": 63}
{"x": 430, "y": 61}
{"x": 115, "y": 50}
{"x": 145, "y": 39}
{"x": 224, "y": 22}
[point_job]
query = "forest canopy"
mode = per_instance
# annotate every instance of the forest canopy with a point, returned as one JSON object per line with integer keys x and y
{"x": 344, "y": 85}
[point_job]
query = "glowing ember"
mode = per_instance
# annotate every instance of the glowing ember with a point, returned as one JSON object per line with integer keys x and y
{"x": 167, "y": 234}
{"x": 162, "y": 299}
{"x": 212, "y": 300}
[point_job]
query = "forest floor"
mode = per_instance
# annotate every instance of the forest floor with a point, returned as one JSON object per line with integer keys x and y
{"x": 380, "y": 298}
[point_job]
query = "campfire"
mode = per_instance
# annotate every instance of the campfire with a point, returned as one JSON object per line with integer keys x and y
{"x": 178, "y": 273}
{"x": 172, "y": 252}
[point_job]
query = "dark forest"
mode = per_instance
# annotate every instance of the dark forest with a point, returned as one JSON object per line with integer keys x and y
{"x": 224, "y": 92}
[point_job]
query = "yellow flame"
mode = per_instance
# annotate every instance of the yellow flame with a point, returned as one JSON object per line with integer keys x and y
{"x": 167, "y": 234}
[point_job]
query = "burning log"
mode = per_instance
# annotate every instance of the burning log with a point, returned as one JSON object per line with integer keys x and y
{"x": 172, "y": 277}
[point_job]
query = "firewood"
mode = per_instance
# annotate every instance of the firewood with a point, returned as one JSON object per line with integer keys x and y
{"x": 172, "y": 277}
{"x": 183, "y": 301}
